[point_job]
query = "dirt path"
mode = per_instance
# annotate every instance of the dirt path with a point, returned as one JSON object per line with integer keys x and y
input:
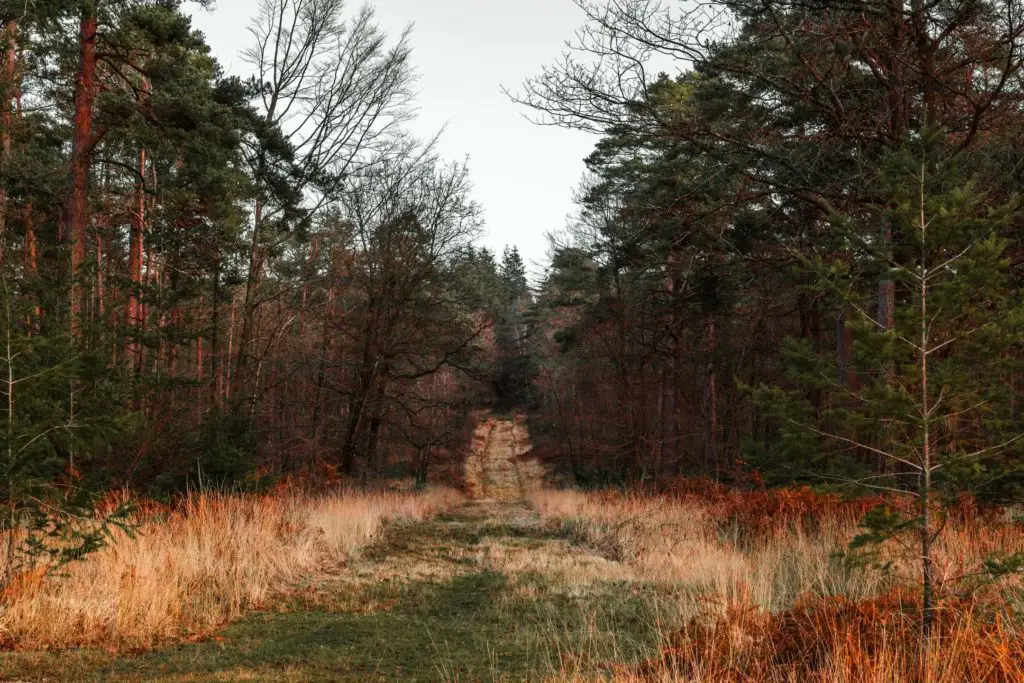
{"x": 502, "y": 481}
{"x": 485, "y": 593}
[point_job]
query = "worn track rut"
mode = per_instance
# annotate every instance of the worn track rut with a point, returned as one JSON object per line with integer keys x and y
{"x": 502, "y": 481}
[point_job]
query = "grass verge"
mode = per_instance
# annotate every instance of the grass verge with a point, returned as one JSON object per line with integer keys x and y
{"x": 194, "y": 568}
{"x": 759, "y": 593}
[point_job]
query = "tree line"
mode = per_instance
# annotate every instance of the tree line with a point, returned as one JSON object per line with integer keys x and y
{"x": 216, "y": 280}
{"x": 796, "y": 258}
{"x": 761, "y": 220}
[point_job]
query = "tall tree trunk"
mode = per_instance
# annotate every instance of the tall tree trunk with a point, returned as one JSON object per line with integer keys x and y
{"x": 76, "y": 216}
{"x": 678, "y": 349}
{"x": 10, "y": 89}
{"x": 664, "y": 418}
{"x": 372, "y": 439}
{"x": 175, "y": 323}
{"x": 226, "y": 396}
{"x": 100, "y": 302}
{"x": 711, "y": 458}
{"x": 844, "y": 353}
{"x": 135, "y": 250}
{"x": 422, "y": 464}
{"x": 249, "y": 305}
{"x": 376, "y": 421}
{"x": 886, "y": 285}
{"x": 357, "y": 407}
{"x": 199, "y": 359}
{"x": 357, "y": 410}
{"x": 321, "y": 369}
{"x": 31, "y": 257}
{"x": 148, "y": 305}
{"x": 886, "y": 320}
{"x": 215, "y": 383}
{"x": 347, "y": 459}
{"x": 670, "y": 379}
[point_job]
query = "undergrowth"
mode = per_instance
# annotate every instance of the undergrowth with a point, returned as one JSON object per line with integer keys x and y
{"x": 762, "y": 591}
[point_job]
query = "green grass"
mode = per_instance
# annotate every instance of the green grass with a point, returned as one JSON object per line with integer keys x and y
{"x": 477, "y": 625}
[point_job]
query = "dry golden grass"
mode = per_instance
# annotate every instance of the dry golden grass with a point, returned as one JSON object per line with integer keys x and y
{"x": 842, "y": 641}
{"x": 760, "y": 596}
{"x": 681, "y": 543}
{"x": 210, "y": 560}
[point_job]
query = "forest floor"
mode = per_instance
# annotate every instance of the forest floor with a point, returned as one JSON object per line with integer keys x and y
{"x": 487, "y": 592}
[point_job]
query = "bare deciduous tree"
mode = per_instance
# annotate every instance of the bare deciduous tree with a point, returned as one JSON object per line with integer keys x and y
{"x": 333, "y": 95}
{"x": 411, "y": 217}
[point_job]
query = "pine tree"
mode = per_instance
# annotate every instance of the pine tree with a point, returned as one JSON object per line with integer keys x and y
{"x": 514, "y": 368}
{"x": 928, "y": 417}
{"x": 48, "y": 517}
{"x": 513, "y": 273}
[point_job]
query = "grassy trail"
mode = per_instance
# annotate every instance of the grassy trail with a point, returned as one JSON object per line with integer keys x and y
{"x": 484, "y": 593}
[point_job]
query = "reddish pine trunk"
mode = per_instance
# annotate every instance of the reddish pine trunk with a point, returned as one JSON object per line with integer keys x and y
{"x": 31, "y": 258}
{"x": 6, "y": 118}
{"x": 77, "y": 206}
{"x": 151, "y": 279}
{"x": 135, "y": 250}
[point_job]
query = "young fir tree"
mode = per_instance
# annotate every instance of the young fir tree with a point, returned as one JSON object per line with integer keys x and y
{"x": 48, "y": 518}
{"x": 926, "y": 412}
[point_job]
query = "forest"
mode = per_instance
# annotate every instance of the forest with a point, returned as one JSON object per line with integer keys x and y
{"x": 760, "y": 416}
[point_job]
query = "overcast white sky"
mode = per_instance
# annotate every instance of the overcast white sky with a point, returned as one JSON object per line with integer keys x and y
{"x": 464, "y": 51}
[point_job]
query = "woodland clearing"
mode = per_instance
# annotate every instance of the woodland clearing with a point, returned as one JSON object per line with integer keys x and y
{"x": 523, "y": 582}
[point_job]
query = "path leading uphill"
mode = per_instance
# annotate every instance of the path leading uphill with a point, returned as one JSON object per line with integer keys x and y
{"x": 485, "y": 593}
{"x": 502, "y": 481}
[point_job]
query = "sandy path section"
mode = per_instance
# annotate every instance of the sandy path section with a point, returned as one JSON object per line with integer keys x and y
{"x": 502, "y": 481}
{"x": 495, "y": 469}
